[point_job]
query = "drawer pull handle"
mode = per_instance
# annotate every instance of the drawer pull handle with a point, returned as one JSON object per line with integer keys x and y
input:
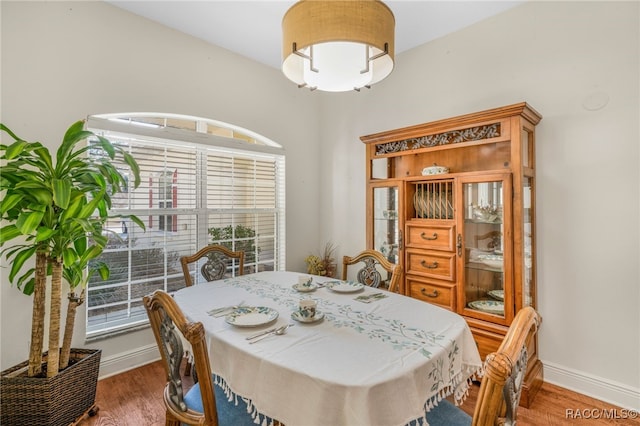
{"x": 431, "y": 238}
{"x": 433, "y": 265}
{"x": 434, "y": 293}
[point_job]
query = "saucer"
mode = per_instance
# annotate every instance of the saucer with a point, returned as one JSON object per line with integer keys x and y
{"x": 304, "y": 288}
{"x": 317, "y": 317}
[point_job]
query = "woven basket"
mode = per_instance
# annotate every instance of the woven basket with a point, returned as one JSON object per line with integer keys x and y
{"x": 54, "y": 401}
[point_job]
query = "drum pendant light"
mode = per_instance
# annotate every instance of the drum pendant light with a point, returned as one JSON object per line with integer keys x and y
{"x": 336, "y": 46}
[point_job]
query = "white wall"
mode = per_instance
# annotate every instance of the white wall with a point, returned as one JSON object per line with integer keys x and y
{"x": 556, "y": 56}
{"x": 62, "y": 61}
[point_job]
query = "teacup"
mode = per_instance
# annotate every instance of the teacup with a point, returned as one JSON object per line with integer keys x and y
{"x": 307, "y": 308}
{"x": 305, "y": 281}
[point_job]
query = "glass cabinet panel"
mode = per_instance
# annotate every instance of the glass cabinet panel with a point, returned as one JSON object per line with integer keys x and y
{"x": 483, "y": 233}
{"x": 386, "y": 230}
{"x": 528, "y": 250}
{"x": 380, "y": 168}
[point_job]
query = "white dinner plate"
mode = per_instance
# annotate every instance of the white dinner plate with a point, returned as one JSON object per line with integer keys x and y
{"x": 495, "y": 307}
{"x": 496, "y": 294}
{"x": 344, "y": 286}
{"x": 304, "y": 288}
{"x": 494, "y": 261}
{"x": 317, "y": 317}
{"x": 251, "y": 316}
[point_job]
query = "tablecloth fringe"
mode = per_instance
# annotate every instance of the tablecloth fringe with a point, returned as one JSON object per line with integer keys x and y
{"x": 258, "y": 418}
{"x": 459, "y": 387}
{"x": 463, "y": 381}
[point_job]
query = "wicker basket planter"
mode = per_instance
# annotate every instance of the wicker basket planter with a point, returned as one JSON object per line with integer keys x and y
{"x": 54, "y": 401}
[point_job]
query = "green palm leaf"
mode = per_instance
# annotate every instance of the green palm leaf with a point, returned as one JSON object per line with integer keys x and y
{"x": 74, "y": 208}
{"x": 61, "y": 192}
{"x": 10, "y": 200}
{"x": 19, "y": 259}
{"x": 69, "y": 256}
{"x": 27, "y": 288}
{"x": 9, "y": 132}
{"x": 8, "y": 233}
{"x": 15, "y": 149}
{"x": 28, "y": 222}
{"x": 44, "y": 234}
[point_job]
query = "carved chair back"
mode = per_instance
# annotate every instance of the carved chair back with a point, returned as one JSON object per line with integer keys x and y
{"x": 374, "y": 266}
{"x": 504, "y": 372}
{"x": 168, "y": 323}
{"x": 216, "y": 262}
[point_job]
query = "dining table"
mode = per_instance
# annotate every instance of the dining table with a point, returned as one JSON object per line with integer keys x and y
{"x": 367, "y": 357}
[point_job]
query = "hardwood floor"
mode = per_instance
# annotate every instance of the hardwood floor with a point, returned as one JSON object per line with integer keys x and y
{"x": 134, "y": 398}
{"x": 554, "y": 405}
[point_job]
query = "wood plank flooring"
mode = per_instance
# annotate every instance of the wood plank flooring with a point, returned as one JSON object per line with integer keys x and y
{"x": 134, "y": 398}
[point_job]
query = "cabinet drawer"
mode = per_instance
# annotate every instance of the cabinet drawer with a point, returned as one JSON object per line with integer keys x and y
{"x": 438, "y": 265}
{"x": 434, "y": 237}
{"x": 439, "y": 294}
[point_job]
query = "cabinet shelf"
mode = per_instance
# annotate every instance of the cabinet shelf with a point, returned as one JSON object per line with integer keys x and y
{"x": 483, "y": 222}
{"x": 482, "y": 267}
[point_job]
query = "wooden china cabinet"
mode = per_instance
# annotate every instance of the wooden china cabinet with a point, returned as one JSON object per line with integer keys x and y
{"x": 453, "y": 202}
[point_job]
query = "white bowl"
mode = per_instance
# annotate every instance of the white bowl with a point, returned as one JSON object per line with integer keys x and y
{"x": 434, "y": 170}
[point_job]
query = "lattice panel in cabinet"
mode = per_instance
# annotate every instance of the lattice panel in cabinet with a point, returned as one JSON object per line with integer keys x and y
{"x": 434, "y": 200}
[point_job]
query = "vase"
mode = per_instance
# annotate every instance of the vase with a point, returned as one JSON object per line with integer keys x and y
{"x": 331, "y": 270}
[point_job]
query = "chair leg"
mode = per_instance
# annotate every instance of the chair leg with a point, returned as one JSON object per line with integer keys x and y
{"x": 170, "y": 420}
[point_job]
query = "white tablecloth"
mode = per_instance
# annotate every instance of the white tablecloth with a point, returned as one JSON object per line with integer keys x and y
{"x": 382, "y": 363}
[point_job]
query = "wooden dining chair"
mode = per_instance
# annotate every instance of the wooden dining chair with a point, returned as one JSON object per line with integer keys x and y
{"x": 204, "y": 403}
{"x": 370, "y": 274}
{"x": 220, "y": 263}
{"x": 219, "y": 260}
{"x": 501, "y": 384}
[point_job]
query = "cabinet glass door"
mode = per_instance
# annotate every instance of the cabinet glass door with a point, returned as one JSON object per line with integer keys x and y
{"x": 386, "y": 229}
{"x": 483, "y": 234}
{"x": 529, "y": 252}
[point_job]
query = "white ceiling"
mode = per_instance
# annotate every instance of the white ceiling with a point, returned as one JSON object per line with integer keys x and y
{"x": 252, "y": 28}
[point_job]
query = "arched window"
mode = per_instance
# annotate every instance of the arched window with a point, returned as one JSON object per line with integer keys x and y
{"x": 203, "y": 182}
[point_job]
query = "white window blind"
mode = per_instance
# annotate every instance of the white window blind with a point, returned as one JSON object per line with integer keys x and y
{"x": 191, "y": 194}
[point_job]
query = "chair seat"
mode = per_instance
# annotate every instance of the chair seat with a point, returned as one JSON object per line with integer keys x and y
{"x": 229, "y": 414}
{"x": 447, "y": 414}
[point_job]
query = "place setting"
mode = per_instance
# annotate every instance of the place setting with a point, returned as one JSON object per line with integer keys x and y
{"x": 249, "y": 316}
{"x": 307, "y": 312}
{"x": 305, "y": 284}
{"x": 275, "y": 331}
{"x": 224, "y": 310}
{"x": 343, "y": 286}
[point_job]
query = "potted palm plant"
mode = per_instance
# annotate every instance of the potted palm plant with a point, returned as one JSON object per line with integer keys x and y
{"x": 53, "y": 212}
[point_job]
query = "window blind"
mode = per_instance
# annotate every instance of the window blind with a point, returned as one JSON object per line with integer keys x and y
{"x": 191, "y": 194}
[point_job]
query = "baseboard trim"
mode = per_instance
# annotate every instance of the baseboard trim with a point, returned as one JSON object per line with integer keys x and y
{"x": 124, "y": 361}
{"x": 615, "y": 393}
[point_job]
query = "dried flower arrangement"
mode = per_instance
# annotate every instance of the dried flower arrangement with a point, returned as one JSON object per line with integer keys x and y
{"x": 324, "y": 264}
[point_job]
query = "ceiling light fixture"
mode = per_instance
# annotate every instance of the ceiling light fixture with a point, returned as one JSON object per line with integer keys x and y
{"x": 336, "y": 46}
